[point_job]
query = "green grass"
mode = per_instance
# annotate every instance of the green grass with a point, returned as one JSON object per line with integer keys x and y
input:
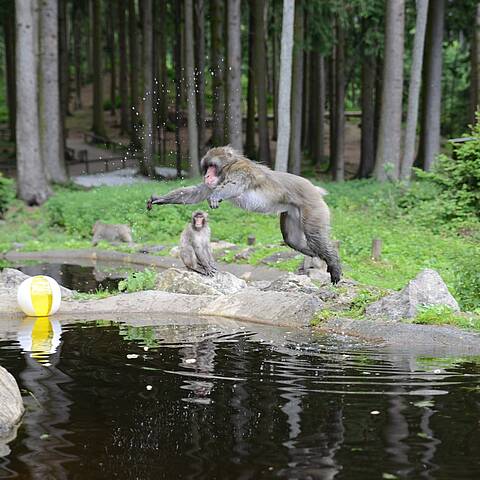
{"x": 361, "y": 210}
{"x": 443, "y": 315}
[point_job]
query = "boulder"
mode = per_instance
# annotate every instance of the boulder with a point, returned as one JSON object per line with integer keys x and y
{"x": 11, "y": 409}
{"x": 220, "y": 246}
{"x": 192, "y": 283}
{"x": 426, "y": 289}
{"x": 257, "y": 306}
{"x": 11, "y": 278}
{"x": 293, "y": 283}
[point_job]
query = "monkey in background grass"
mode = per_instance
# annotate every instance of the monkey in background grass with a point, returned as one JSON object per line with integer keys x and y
{"x": 195, "y": 250}
{"x": 304, "y": 216}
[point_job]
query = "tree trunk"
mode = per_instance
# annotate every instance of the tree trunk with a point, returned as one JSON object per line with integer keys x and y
{"x": 429, "y": 145}
{"x": 367, "y": 155}
{"x": 475, "y": 67}
{"x": 32, "y": 182}
{"x": 89, "y": 36}
{"x": 178, "y": 85}
{"x": 50, "y": 123}
{"x": 414, "y": 90}
{"x": 191, "y": 103}
{"x": 332, "y": 108}
{"x": 250, "y": 143}
{"x": 111, "y": 51}
{"x": 275, "y": 59}
{"x": 162, "y": 75}
{"x": 9, "y": 38}
{"x": 77, "y": 55}
{"x": 297, "y": 92}
{"x": 123, "y": 71}
{"x": 63, "y": 59}
{"x": 199, "y": 7}
{"x": 260, "y": 78}
{"x": 317, "y": 108}
{"x": 218, "y": 72}
{"x": 387, "y": 161}
{"x": 234, "y": 90}
{"x": 306, "y": 111}
{"x": 339, "y": 157}
{"x": 98, "y": 119}
{"x": 284, "y": 87}
{"x": 147, "y": 165}
{"x": 134, "y": 67}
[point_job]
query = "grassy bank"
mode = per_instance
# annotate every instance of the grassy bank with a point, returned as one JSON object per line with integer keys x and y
{"x": 361, "y": 210}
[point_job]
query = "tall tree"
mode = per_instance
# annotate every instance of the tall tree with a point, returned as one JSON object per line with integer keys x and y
{"x": 234, "y": 90}
{"x": 178, "y": 84}
{"x": 317, "y": 108}
{"x": 50, "y": 120}
{"x": 9, "y": 39}
{"x": 251, "y": 129}
{"x": 134, "y": 67}
{"x": 32, "y": 182}
{"x": 284, "y": 88}
{"x": 475, "y": 67}
{"x": 199, "y": 8}
{"x": 63, "y": 59}
{"x": 147, "y": 165}
{"x": 414, "y": 90}
{"x": 387, "y": 161}
{"x": 260, "y": 77}
{"x": 191, "y": 103}
{"x": 429, "y": 144}
{"x": 218, "y": 71}
{"x": 77, "y": 18}
{"x": 111, "y": 50}
{"x": 339, "y": 152}
{"x": 98, "y": 118}
{"x": 297, "y": 92}
{"x": 162, "y": 89}
{"x": 123, "y": 70}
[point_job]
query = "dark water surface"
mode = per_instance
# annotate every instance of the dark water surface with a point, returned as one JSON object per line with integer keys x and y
{"x": 111, "y": 401}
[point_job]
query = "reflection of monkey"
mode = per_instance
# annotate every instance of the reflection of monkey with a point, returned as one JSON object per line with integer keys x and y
{"x": 195, "y": 250}
{"x": 304, "y": 216}
{"x": 111, "y": 233}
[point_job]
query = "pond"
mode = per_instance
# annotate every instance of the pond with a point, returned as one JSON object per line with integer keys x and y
{"x": 192, "y": 401}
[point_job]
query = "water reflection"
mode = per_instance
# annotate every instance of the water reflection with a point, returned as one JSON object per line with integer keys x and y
{"x": 231, "y": 403}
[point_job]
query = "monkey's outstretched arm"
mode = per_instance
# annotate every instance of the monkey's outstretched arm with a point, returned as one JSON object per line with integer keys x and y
{"x": 182, "y": 196}
{"x": 230, "y": 188}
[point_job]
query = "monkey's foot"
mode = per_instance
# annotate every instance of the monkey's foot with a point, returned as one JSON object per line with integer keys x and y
{"x": 335, "y": 274}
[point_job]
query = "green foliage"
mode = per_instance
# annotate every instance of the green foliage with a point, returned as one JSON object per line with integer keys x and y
{"x": 97, "y": 295}
{"x": 138, "y": 281}
{"x": 7, "y": 193}
{"x": 443, "y": 315}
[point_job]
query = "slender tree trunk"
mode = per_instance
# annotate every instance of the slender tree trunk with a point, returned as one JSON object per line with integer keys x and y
{"x": 89, "y": 41}
{"x": 98, "y": 119}
{"x": 297, "y": 92}
{"x": 250, "y": 143}
{"x": 162, "y": 75}
{"x": 414, "y": 90}
{"x": 317, "y": 109}
{"x": 307, "y": 67}
{"x": 111, "y": 51}
{"x": 284, "y": 88}
{"x": 475, "y": 67}
{"x": 275, "y": 55}
{"x": 199, "y": 8}
{"x": 387, "y": 161}
{"x": 9, "y": 38}
{"x": 367, "y": 156}
{"x": 339, "y": 158}
{"x": 378, "y": 98}
{"x": 234, "y": 91}
{"x": 32, "y": 182}
{"x": 63, "y": 59}
{"x": 50, "y": 122}
{"x": 332, "y": 108}
{"x": 123, "y": 71}
{"x": 429, "y": 145}
{"x": 192, "y": 113}
{"x": 147, "y": 167}
{"x": 260, "y": 77}
{"x": 134, "y": 70}
{"x": 178, "y": 86}
{"x": 218, "y": 71}
{"x": 77, "y": 54}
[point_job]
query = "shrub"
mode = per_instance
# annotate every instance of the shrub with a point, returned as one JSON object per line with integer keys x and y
{"x": 7, "y": 193}
{"x": 137, "y": 281}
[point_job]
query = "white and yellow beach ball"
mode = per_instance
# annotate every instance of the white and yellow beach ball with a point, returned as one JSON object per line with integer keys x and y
{"x": 39, "y": 296}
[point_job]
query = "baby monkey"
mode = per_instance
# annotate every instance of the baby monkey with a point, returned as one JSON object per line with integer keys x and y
{"x": 195, "y": 250}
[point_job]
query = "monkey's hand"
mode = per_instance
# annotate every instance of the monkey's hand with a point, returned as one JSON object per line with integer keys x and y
{"x": 214, "y": 202}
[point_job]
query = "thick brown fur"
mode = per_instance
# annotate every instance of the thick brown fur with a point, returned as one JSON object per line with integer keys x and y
{"x": 195, "y": 250}
{"x": 304, "y": 215}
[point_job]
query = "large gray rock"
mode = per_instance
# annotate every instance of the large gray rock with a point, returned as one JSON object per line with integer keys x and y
{"x": 11, "y": 409}
{"x": 274, "y": 308}
{"x": 293, "y": 283}
{"x": 192, "y": 283}
{"x": 426, "y": 289}
{"x": 11, "y": 278}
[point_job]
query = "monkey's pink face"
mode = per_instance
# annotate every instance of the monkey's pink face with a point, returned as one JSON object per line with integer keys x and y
{"x": 211, "y": 177}
{"x": 199, "y": 221}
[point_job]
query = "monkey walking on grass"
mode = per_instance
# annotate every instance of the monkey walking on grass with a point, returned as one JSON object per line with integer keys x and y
{"x": 304, "y": 216}
{"x": 195, "y": 250}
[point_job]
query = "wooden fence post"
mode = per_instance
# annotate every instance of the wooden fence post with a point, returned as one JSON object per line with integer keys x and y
{"x": 376, "y": 249}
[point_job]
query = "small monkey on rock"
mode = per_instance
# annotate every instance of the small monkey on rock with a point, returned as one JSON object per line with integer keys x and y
{"x": 111, "y": 233}
{"x": 304, "y": 216}
{"x": 195, "y": 250}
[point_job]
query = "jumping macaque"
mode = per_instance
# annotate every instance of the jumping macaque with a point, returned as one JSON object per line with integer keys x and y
{"x": 195, "y": 250}
{"x": 111, "y": 233}
{"x": 304, "y": 216}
